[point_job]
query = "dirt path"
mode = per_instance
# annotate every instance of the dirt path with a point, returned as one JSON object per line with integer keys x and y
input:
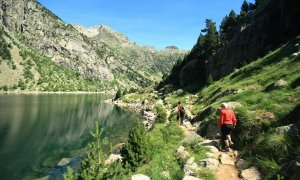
{"x": 224, "y": 171}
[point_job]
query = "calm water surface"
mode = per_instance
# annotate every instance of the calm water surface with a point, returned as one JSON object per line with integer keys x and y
{"x": 36, "y": 131}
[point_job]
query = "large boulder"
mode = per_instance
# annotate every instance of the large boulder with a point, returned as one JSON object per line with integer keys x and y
{"x": 213, "y": 149}
{"x": 208, "y": 142}
{"x": 250, "y": 174}
{"x": 140, "y": 177}
{"x": 291, "y": 129}
{"x": 277, "y": 85}
{"x": 242, "y": 164}
{"x": 192, "y": 136}
{"x": 213, "y": 131}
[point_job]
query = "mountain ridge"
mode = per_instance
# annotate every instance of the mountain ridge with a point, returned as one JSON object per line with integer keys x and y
{"x": 105, "y": 54}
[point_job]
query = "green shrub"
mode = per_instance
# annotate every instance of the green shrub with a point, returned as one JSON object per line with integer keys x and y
{"x": 118, "y": 94}
{"x": 161, "y": 114}
{"x": 136, "y": 150}
{"x": 5, "y": 88}
{"x": 22, "y": 85}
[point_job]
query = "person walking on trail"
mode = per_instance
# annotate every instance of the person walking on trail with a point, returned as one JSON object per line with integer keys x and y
{"x": 180, "y": 112}
{"x": 227, "y": 123}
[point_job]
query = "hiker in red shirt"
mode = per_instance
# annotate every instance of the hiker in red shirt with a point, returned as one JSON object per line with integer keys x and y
{"x": 227, "y": 123}
{"x": 180, "y": 112}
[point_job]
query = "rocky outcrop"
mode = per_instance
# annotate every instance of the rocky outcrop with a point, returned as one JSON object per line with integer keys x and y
{"x": 277, "y": 85}
{"x": 291, "y": 129}
{"x": 270, "y": 26}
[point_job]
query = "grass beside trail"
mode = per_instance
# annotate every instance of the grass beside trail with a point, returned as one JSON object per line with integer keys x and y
{"x": 262, "y": 110}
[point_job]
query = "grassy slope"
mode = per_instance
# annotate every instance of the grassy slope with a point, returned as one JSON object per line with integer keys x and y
{"x": 255, "y": 129}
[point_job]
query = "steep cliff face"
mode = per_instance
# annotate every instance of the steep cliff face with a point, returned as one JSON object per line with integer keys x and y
{"x": 255, "y": 33}
{"x": 275, "y": 23}
{"x": 99, "y": 52}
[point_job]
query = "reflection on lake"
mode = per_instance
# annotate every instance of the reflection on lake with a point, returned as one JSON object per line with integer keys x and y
{"x": 36, "y": 131}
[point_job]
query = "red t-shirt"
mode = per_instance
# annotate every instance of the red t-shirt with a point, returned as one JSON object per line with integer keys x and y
{"x": 227, "y": 117}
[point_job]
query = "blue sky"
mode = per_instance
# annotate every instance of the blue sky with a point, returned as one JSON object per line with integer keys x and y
{"x": 157, "y": 23}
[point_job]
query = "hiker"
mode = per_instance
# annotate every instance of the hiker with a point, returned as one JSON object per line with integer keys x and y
{"x": 143, "y": 107}
{"x": 227, "y": 123}
{"x": 180, "y": 112}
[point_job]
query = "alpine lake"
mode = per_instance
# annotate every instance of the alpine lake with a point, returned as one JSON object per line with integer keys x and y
{"x": 38, "y": 130}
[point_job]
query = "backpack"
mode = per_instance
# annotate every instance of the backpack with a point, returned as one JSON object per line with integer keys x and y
{"x": 182, "y": 111}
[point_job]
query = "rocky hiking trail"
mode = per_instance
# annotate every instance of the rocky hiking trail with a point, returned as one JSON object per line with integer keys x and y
{"x": 224, "y": 165}
{"x": 226, "y": 169}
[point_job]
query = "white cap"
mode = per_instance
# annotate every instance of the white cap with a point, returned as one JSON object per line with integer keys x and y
{"x": 224, "y": 105}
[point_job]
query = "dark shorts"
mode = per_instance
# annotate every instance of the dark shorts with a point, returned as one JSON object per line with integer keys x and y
{"x": 226, "y": 130}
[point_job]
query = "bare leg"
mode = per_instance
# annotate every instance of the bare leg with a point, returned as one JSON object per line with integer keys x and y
{"x": 229, "y": 139}
{"x": 227, "y": 143}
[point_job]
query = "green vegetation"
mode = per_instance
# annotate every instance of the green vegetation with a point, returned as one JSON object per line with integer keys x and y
{"x": 136, "y": 150}
{"x": 93, "y": 166}
{"x": 164, "y": 141}
{"x": 161, "y": 112}
{"x": 148, "y": 153}
{"x": 4, "y": 47}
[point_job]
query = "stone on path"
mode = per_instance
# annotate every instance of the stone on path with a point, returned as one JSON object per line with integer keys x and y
{"x": 210, "y": 163}
{"x": 242, "y": 164}
{"x": 250, "y": 174}
{"x": 208, "y": 142}
{"x": 190, "y": 178}
{"x": 180, "y": 149}
{"x": 213, "y": 149}
{"x": 209, "y": 154}
{"x": 140, "y": 177}
{"x": 226, "y": 159}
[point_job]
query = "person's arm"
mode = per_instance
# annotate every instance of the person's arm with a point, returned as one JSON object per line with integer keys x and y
{"x": 178, "y": 110}
{"x": 233, "y": 119}
{"x": 221, "y": 119}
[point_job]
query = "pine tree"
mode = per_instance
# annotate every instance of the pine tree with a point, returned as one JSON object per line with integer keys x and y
{"x": 136, "y": 150}
{"x": 125, "y": 92}
{"x": 118, "y": 94}
{"x": 227, "y": 28}
{"x": 245, "y": 7}
{"x": 212, "y": 40}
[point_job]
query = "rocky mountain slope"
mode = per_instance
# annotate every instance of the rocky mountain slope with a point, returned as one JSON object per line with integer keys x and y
{"x": 99, "y": 53}
{"x": 242, "y": 38}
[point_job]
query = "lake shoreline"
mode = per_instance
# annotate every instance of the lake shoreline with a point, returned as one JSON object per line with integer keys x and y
{"x": 51, "y": 92}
